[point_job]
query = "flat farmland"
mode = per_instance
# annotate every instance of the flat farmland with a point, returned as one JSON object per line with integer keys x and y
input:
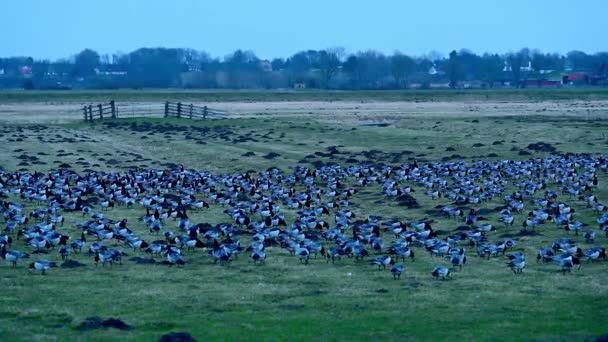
{"x": 310, "y": 158}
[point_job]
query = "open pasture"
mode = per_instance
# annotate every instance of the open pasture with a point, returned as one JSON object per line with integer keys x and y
{"x": 286, "y": 297}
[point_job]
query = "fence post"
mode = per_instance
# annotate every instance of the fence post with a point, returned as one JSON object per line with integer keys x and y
{"x": 85, "y": 113}
{"x": 205, "y": 112}
{"x": 179, "y": 109}
{"x": 166, "y": 108}
{"x": 191, "y": 110}
{"x": 100, "y": 106}
{"x": 113, "y": 105}
{"x": 91, "y": 112}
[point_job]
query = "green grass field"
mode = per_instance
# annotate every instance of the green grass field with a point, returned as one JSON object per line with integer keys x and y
{"x": 284, "y": 299}
{"x": 530, "y": 94}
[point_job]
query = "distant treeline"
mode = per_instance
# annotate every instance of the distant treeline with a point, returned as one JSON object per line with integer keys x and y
{"x": 324, "y": 69}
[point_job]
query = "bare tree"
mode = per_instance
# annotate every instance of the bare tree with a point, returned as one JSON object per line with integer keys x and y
{"x": 401, "y": 67}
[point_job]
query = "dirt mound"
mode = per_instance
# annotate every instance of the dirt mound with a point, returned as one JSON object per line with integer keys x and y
{"x": 542, "y": 147}
{"x": 177, "y": 337}
{"x": 143, "y": 261}
{"x": 95, "y": 322}
{"x": 271, "y": 155}
{"x": 71, "y": 264}
{"x": 407, "y": 200}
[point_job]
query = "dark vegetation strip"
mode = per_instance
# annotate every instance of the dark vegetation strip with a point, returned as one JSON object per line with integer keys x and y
{"x": 306, "y": 95}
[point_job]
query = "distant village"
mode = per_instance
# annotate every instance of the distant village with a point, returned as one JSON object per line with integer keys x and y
{"x": 322, "y": 69}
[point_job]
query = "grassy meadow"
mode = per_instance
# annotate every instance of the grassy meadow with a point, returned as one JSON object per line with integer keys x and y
{"x": 284, "y": 299}
{"x": 143, "y": 95}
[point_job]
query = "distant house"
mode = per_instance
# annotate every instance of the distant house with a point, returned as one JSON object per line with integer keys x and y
{"x": 434, "y": 71}
{"x": 25, "y": 70}
{"x": 576, "y": 78}
{"x": 299, "y": 85}
{"x": 541, "y": 83}
{"x": 110, "y": 72}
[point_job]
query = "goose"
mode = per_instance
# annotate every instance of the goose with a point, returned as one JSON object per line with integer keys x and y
{"x": 441, "y": 272}
{"x": 155, "y": 248}
{"x": 404, "y": 252}
{"x": 107, "y": 204}
{"x": 38, "y": 243}
{"x": 334, "y": 253}
{"x": 595, "y": 253}
{"x": 458, "y": 259}
{"x": 589, "y": 237}
{"x": 137, "y": 243}
{"x": 396, "y": 270}
{"x": 97, "y": 247}
{"x": 5, "y": 239}
{"x": 65, "y": 251}
{"x": 507, "y": 219}
{"x": 42, "y": 265}
{"x": 193, "y": 243}
{"x": 486, "y": 227}
{"x": 175, "y": 258}
{"x": 258, "y": 256}
{"x": 220, "y": 253}
{"x": 567, "y": 263}
{"x": 80, "y": 243}
{"x": 12, "y": 256}
{"x": 471, "y": 218}
{"x": 303, "y": 253}
{"x": 382, "y": 261}
{"x": 110, "y": 256}
{"x": 576, "y": 226}
{"x": 545, "y": 254}
{"x": 517, "y": 262}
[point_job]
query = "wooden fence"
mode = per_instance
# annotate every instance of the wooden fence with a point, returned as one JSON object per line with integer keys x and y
{"x": 100, "y": 111}
{"x": 190, "y": 111}
{"x": 171, "y": 109}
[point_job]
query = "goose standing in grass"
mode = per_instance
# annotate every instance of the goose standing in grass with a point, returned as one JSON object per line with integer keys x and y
{"x": 396, "y": 270}
{"x": 382, "y": 261}
{"x": 12, "y": 256}
{"x": 595, "y": 253}
{"x": 175, "y": 258}
{"x": 258, "y": 256}
{"x": 458, "y": 258}
{"x": 517, "y": 262}
{"x": 589, "y": 237}
{"x": 566, "y": 263}
{"x": 42, "y": 266}
{"x": 303, "y": 253}
{"x": 79, "y": 243}
{"x": 65, "y": 252}
{"x": 441, "y": 272}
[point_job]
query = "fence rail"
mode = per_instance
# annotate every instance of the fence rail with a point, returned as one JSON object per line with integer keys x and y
{"x": 171, "y": 109}
{"x": 100, "y": 111}
{"x": 191, "y": 111}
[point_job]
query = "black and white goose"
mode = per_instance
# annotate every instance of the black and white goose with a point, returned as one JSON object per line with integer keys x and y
{"x": 12, "y": 256}
{"x": 42, "y": 266}
{"x": 441, "y": 272}
{"x": 175, "y": 258}
{"x": 258, "y": 255}
{"x": 382, "y": 261}
{"x": 79, "y": 243}
{"x": 595, "y": 253}
{"x": 517, "y": 262}
{"x": 396, "y": 270}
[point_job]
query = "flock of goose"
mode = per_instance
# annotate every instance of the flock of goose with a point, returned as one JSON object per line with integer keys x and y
{"x": 533, "y": 195}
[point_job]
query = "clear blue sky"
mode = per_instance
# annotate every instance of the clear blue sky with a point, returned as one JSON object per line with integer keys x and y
{"x": 278, "y": 28}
